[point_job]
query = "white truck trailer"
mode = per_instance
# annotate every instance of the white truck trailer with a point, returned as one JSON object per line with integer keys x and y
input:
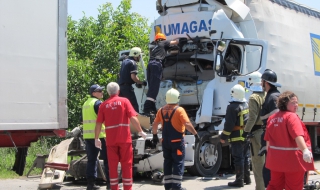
{"x": 33, "y": 72}
{"x": 221, "y": 43}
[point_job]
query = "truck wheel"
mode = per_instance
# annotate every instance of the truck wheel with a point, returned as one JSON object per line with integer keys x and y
{"x": 78, "y": 170}
{"x": 207, "y": 157}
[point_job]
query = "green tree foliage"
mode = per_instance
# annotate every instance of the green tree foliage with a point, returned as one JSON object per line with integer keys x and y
{"x": 93, "y": 50}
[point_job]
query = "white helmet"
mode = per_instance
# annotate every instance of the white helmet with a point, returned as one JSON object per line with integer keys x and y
{"x": 172, "y": 96}
{"x": 237, "y": 93}
{"x": 254, "y": 81}
{"x": 135, "y": 52}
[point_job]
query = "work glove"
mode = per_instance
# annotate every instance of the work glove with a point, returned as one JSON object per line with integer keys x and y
{"x": 142, "y": 134}
{"x": 144, "y": 83}
{"x": 155, "y": 139}
{"x": 197, "y": 138}
{"x": 138, "y": 85}
{"x": 97, "y": 143}
{"x": 307, "y": 155}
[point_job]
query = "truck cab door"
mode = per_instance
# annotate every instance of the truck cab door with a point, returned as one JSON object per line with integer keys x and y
{"x": 234, "y": 60}
{"x": 239, "y": 57}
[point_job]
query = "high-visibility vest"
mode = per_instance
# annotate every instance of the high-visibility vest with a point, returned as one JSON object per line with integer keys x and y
{"x": 89, "y": 117}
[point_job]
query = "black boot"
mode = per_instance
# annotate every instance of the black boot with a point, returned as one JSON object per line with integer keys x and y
{"x": 91, "y": 185}
{"x": 149, "y": 107}
{"x": 247, "y": 179}
{"x": 239, "y": 177}
{"x": 108, "y": 186}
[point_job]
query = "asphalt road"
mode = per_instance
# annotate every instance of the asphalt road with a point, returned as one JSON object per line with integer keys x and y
{"x": 143, "y": 183}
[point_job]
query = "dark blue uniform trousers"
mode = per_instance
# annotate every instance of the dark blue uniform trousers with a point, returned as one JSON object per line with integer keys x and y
{"x": 173, "y": 153}
{"x": 154, "y": 74}
{"x": 173, "y": 166}
{"x": 127, "y": 91}
{"x": 240, "y": 156}
{"x": 154, "y": 78}
{"x": 92, "y": 156}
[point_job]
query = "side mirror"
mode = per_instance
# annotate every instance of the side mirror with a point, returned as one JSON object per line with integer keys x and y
{"x": 221, "y": 46}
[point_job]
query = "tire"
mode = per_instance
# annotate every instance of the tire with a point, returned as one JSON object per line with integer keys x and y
{"x": 78, "y": 170}
{"x": 206, "y": 162}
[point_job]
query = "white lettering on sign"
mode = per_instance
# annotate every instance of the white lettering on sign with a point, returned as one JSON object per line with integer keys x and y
{"x": 185, "y": 27}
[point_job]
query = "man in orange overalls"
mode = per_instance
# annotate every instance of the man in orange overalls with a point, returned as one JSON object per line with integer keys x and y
{"x": 174, "y": 120}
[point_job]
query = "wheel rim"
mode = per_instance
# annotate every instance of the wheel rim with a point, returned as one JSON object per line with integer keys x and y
{"x": 208, "y": 157}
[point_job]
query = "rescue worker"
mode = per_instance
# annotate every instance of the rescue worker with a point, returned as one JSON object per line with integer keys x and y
{"x": 235, "y": 120}
{"x": 116, "y": 113}
{"x": 287, "y": 137}
{"x": 174, "y": 120}
{"x": 254, "y": 127}
{"x": 269, "y": 107}
{"x": 154, "y": 70}
{"x": 90, "y": 109}
{"x": 128, "y": 76}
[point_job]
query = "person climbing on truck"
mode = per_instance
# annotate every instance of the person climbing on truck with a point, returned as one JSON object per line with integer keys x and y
{"x": 154, "y": 70}
{"x": 128, "y": 76}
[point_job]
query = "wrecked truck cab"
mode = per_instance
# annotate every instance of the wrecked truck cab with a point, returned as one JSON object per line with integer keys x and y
{"x": 219, "y": 47}
{"x": 212, "y": 55}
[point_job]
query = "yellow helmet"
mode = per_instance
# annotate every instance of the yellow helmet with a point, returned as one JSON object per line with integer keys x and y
{"x": 135, "y": 52}
{"x": 172, "y": 96}
{"x": 160, "y": 36}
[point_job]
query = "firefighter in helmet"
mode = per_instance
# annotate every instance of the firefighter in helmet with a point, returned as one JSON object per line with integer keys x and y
{"x": 269, "y": 84}
{"x": 154, "y": 70}
{"x": 235, "y": 120}
{"x": 128, "y": 76}
{"x": 175, "y": 121}
{"x": 254, "y": 126}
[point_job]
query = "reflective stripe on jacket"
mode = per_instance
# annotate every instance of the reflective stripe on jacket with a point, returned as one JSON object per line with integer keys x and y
{"x": 89, "y": 120}
{"x": 286, "y": 148}
{"x": 118, "y": 125}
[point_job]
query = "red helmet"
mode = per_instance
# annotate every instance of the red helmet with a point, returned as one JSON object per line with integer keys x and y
{"x": 160, "y": 36}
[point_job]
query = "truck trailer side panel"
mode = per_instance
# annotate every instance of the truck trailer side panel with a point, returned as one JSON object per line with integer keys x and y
{"x": 33, "y": 66}
{"x": 294, "y": 42}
